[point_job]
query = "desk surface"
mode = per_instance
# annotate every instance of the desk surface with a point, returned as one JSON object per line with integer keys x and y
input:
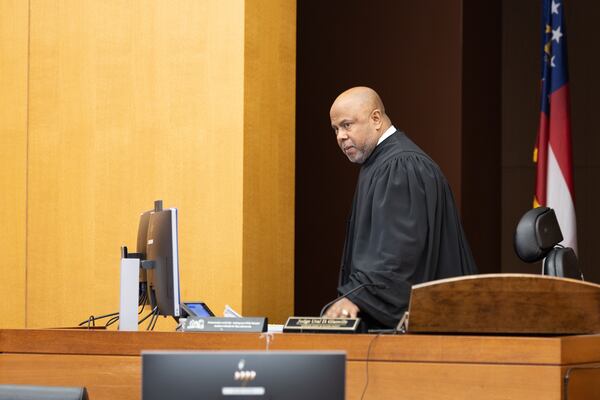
{"x": 424, "y": 366}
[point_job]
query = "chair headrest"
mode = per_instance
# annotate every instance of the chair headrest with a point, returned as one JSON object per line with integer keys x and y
{"x": 562, "y": 262}
{"x": 537, "y": 233}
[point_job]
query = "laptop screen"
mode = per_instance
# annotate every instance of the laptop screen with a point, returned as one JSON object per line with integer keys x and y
{"x": 273, "y": 375}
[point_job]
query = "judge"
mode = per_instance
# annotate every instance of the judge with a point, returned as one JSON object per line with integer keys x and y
{"x": 404, "y": 228}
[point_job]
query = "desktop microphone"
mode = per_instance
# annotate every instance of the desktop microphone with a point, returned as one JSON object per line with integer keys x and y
{"x": 377, "y": 285}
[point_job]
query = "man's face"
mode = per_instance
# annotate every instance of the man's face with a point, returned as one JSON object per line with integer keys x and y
{"x": 355, "y": 130}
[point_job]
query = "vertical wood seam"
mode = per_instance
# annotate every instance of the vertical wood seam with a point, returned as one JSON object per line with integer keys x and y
{"x": 27, "y": 162}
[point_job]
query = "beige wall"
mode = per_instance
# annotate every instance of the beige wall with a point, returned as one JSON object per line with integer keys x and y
{"x": 135, "y": 101}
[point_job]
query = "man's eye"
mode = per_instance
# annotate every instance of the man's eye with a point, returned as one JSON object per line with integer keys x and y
{"x": 347, "y": 125}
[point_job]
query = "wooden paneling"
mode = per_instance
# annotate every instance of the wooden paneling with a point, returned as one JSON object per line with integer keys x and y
{"x": 481, "y": 136}
{"x": 119, "y": 377}
{"x": 437, "y": 381}
{"x": 505, "y": 304}
{"x": 399, "y": 366}
{"x": 423, "y": 348}
{"x": 107, "y": 106}
{"x": 583, "y": 382}
{"x": 14, "y": 19}
{"x": 393, "y": 47}
{"x": 107, "y": 377}
{"x": 132, "y": 102}
{"x": 269, "y": 156}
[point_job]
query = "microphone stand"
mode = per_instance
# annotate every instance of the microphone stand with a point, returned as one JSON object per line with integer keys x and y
{"x": 364, "y": 285}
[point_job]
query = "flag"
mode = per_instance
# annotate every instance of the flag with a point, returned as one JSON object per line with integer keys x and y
{"x": 552, "y": 154}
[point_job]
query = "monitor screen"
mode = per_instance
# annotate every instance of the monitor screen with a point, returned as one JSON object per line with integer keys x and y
{"x": 161, "y": 251}
{"x": 273, "y": 375}
{"x": 196, "y": 309}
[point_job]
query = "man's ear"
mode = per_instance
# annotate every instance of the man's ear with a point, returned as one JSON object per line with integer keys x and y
{"x": 376, "y": 118}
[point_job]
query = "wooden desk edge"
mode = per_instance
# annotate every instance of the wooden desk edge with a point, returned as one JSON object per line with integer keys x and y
{"x": 426, "y": 348}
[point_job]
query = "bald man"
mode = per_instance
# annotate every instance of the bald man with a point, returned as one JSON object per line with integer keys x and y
{"x": 404, "y": 228}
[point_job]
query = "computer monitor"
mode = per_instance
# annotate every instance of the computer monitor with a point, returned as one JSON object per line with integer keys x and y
{"x": 273, "y": 375}
{"x": 162, "y": 260}
{"x": 142, "y": 238}
{"x": 195, "y": 309}
{"x": 31, "y": 392}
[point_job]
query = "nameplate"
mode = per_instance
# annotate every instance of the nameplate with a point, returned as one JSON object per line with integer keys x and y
{"x": 321, "y": 325}
{"x": 217, "y": 324}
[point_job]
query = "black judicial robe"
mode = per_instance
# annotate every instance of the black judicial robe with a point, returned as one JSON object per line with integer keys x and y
{"x": 404, "y": 229}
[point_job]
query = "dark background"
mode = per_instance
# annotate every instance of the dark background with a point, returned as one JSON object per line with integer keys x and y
{"x": 462, "y": 79}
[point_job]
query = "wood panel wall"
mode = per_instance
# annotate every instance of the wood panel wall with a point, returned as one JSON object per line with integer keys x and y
{"x": 135, "y": 101}
{"x": 438, "y": 73}
{"x": 269, "y": 157}
{"x": 13, "y": 159}
{"x": 520, "y": 119}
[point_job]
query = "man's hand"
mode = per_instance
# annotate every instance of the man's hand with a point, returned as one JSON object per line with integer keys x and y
{"x": 343, "y": 308}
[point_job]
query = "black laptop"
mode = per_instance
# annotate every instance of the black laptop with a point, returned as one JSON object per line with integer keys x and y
{"x": 273, "y": 375}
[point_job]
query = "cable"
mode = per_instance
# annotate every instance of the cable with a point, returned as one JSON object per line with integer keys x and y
{"x": 147, "y": 316}
{"x": 142, "y": 299}
{"x": 153, "y": 321}
{"x": 154, "y": 324}
{"x": 150, "y": 322}
{"x": 367, "y": 365}
{"x": 116, "y": 318}
{"x": 154, "y": 317}
{"x": 92, "y": 319}
{"x": 142, "y": 302}
{"x": 343, "y": 296}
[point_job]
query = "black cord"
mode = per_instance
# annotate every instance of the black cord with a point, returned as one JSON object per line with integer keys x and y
{"x": 116, "y": 318}
{"x": 92, "y": 319}
{"x": 147, "y": 316}
{"x": 151, "y": 319}
{"x": 142, "y": 302}
{"x": 367, "y": 365}
{"x": 142, "y": 299}
{"x": 155, "y": 319}
{"x": 111, "y": 321}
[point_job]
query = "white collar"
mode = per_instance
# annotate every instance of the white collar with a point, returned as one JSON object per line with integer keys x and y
{"x": 386, "y": 134}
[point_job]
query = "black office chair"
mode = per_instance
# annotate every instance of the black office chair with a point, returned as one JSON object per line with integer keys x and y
{"x": 28, "y": 392}
{"x": 537, "y": 237}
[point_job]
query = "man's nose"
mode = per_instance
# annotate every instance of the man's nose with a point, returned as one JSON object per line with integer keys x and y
{"x": 342, "y": 135}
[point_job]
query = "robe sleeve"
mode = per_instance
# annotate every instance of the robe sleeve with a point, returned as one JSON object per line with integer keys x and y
{"x": 390, "y": 246}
